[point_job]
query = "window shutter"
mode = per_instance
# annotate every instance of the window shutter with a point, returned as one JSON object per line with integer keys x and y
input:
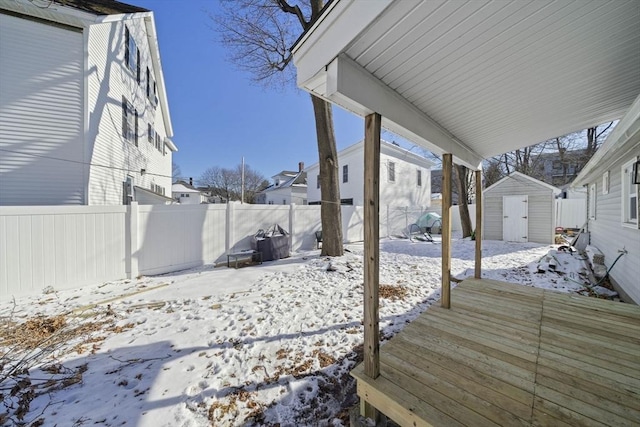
{"x": 125, "y": 129}
{"x": 135, "y": 136}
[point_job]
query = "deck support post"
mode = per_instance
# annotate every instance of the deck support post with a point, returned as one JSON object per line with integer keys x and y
{"x": 447, "y": 168}
{"x": 372, "y": 127}
{"x": 478, "y": 231}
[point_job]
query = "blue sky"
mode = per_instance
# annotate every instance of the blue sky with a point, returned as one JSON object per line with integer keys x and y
{"x": 218, "y": 115}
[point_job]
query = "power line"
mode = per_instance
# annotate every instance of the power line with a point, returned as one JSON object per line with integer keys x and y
{"x": 141, "y": 171}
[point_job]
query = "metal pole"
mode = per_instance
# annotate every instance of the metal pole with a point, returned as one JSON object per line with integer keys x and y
{"x": 242, "y": 190}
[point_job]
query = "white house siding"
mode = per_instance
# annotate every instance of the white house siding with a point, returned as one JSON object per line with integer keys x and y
{"x": 403, "y": 192}
{"x": 610, "y": 236}
{"x": 286, "y": 196}
{"x": 540, "y": 204}
{"x": 108, "y": 81}
{"x": 41, "y": 113}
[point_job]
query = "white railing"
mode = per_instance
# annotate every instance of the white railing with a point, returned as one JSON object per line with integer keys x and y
{"x": 68, "y": 247}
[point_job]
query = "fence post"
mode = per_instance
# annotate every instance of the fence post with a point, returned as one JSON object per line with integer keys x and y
{"x": 229, "y": 231}
{"x": 292, "y": 215}
{"x": 132, "y": 240}
{"x": 388, "y": 228}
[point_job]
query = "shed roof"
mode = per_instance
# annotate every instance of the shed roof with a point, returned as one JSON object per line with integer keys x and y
{"x": 480, "y": 78}
{"x": 525, "y": 179}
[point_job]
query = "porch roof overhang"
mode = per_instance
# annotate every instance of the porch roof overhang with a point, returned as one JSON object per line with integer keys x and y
{"x": 475, "y": 79}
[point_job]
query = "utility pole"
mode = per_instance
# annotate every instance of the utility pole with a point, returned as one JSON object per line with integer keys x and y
{"x": 242, "y": 185}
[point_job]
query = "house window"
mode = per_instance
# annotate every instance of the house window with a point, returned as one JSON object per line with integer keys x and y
{"x": 605, "y": 183}
{"x": 135, "y": 135}
{"x": 131, "y": 53}
{"x": 148, "y": 81}
{"x": 345, "y": 173}
{"x": 392, "y": 171}
{"x": 158, "y": 142}
{"x": 129, "y": 122}
{"x": 629, "y": 195}
{"x": 592, "y": 201}
{"x": 151, "y": 134}
{"x": 317, "y": 181}
{"x": 138, "y": 66}
{"x": 419, "y": 177}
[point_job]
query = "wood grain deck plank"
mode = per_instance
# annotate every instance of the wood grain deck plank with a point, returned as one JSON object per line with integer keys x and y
{"x": 578, "y": 406}
{"x": 402, "y": 407}
{"x": 508, "y": 354}
{"x": 585, "y": 393}
{"x": 493, "y": 405}
{"x": 595, "y": 356}
{"x": 508, "y": 345}
{"x": 464, "y": 368}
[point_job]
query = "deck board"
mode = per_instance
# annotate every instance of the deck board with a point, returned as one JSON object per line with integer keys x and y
{"x": 508, "y": 354}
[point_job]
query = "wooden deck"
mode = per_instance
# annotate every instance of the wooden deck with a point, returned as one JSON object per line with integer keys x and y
{"x": 511, "y": 355}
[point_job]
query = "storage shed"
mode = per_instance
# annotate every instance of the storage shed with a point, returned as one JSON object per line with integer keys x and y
{"x": 519, "y": 208}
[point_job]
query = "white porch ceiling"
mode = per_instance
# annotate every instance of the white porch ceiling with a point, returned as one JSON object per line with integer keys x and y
{"x": 476, "y": 78}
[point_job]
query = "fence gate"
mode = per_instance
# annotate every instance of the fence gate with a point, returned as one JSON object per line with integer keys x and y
{"x": 515, "y": 219}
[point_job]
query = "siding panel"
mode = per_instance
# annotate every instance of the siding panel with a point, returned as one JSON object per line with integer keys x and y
{"x": 41, "y": 114}
{"x": 610, "y": 236}
{"x": 108, "y": 82}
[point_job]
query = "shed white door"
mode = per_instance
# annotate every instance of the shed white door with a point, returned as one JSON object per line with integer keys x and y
{"x": 515, "y": 219}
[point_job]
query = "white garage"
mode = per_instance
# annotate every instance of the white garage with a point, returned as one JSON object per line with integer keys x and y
{"x": 519, "y": 208}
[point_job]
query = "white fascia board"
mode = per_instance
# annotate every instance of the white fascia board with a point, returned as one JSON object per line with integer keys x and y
{"x": 351, "y": 86}
{"x": 405, "y": 155}
{"x": 332, "y": 33}
{"x": 620, "y": 141}
{"x": 54, "y": 12}
{"x": 122, "y": 17}
{"x": 170, "y": 144}
{"x": 152, "y": 38}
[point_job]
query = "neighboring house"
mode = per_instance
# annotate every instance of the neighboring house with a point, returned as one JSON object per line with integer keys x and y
{"x": 519, "y": 208}
{"x": 436, "y": 187}
{"x": 288, "y": 187}
{"x": 187, "y": 194}
{"x": 211, "y": 196}
{"x": 405, "y": 178}
{"x": 612, "y": 179}
{"x": 559, "y": 169}
{"x": 84, "y": 118}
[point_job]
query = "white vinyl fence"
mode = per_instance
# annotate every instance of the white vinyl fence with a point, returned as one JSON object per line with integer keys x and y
{"x": 571, "y": 213}
{"x": 68, "y": 247}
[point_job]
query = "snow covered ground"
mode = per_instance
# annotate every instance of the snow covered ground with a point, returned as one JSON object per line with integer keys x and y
{"x": 266, "y": 344}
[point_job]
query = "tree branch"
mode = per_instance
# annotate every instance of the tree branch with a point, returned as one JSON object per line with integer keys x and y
{"x": 295, "y": 10}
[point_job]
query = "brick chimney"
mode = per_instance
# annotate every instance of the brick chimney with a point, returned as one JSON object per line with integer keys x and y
{"x": 300, "y": 166}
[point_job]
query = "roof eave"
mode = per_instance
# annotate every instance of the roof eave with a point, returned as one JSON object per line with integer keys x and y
{"x": 154, "y": 48}
{"x": 621, "y": 140}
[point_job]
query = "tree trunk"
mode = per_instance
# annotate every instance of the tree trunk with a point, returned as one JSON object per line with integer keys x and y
{"x": 330, "y": 211}
{"x": 465, "y": 219}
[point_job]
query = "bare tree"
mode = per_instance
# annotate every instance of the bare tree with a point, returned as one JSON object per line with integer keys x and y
{"x": 258, "y": 35}
{"x": 464, "y": 182}
{"x": 227, "y": 183}
{"x": 176, "y": 173}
